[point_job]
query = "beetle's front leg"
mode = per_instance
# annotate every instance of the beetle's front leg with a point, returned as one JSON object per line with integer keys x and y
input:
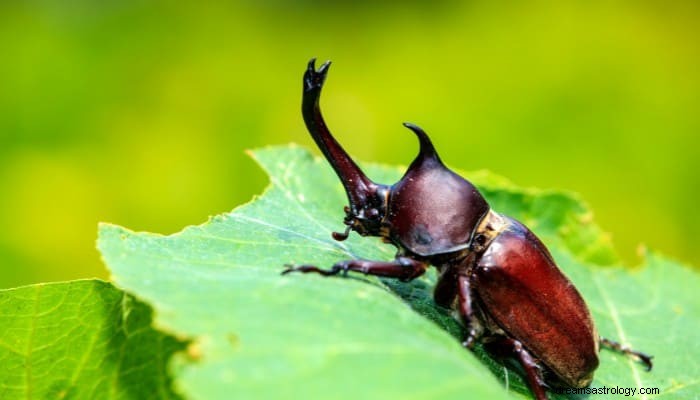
{"x": 637, "y": 355}
{"x": 402, "y": 268}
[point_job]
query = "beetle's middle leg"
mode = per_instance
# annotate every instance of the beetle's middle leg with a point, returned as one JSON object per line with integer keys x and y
{"x": 465, "y": 307}
{"x": 402, "y": 268}
{"x": 453, "y": 290}
{"x": 637, "y": 355}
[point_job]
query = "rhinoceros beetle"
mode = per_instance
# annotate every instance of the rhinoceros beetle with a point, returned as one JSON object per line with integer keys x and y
{"x": 493, "y": 271}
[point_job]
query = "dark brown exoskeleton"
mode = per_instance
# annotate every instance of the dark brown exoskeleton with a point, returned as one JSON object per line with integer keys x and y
{"x": 492, "y": 269}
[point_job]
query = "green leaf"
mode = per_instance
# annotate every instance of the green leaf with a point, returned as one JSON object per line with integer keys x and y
{"x": 81, "y": 340}
{"x": 259, "y": 334}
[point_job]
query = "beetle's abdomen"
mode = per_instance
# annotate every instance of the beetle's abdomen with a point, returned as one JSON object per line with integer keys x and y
{"x": 432, "y": 210}
{"x": 520, "y": 287}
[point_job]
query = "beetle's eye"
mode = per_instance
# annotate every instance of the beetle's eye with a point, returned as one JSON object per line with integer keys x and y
{"x": 372, "y": 213}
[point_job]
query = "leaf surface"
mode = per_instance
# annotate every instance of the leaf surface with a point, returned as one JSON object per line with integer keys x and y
{"x": 81, "y": 340}
{"x": 259, "y": 334}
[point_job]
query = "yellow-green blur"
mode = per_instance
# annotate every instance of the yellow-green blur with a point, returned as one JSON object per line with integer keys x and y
{"x": 138, "y": 112}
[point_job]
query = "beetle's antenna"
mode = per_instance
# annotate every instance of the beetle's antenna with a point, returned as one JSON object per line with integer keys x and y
{"x": 356, "y": 183}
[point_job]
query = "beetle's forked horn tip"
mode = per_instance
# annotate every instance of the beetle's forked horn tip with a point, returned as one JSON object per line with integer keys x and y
{"x": 321, "y": 70}
{"x": 324, "y": 67}
{"x": 314, "y": 78}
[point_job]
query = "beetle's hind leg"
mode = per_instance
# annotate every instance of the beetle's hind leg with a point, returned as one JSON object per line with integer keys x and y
{"x": 402, "y": 268}
{"x": 637, "y": 355}
{"x": 502, "y": 347}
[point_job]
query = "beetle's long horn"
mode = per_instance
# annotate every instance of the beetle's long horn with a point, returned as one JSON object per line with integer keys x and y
{"x": 357, "y": 186}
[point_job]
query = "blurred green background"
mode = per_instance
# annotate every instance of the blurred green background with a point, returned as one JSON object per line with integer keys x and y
{"x": 138, "y": 112}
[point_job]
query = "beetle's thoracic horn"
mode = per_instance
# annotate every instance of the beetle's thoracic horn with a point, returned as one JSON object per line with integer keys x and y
{"x": 427, "y": 150}
{"x": 356, "y": 183}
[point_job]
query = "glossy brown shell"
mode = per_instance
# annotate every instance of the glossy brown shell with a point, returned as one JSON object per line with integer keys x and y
{"x": 520, "y": 287}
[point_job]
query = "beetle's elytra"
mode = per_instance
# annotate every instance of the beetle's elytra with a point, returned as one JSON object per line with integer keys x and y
{"x": 493, "y": 270}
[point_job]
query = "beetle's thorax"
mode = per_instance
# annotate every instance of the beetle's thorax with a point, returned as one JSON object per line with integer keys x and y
{"x": 433, "y": 210}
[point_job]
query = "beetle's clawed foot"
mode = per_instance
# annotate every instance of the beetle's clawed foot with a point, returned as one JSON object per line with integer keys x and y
{"x": 636, "y": 355}
{"x": 311, "y": 268}
{"x": 471, "y": 338}
{"x": 644, "y": 359}
{"x": 314, "y": 78}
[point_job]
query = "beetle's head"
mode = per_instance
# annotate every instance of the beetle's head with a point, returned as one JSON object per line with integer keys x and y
{"x": 367, "y": 209}
{"x": 368, "y": 200}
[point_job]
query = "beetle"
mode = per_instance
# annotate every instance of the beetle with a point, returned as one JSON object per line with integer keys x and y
{"x": 492, "y": 270}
